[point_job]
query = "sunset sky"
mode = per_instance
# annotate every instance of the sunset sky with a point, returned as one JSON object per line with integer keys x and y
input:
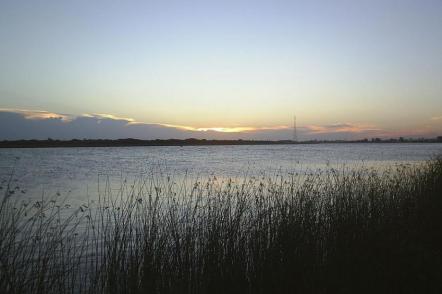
{"x": 220, "y": 69}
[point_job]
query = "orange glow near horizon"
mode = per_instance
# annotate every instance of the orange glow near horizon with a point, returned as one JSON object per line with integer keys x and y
{"x": 225, "y": 129}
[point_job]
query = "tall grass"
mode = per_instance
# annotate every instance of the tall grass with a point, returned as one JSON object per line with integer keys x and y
{"x": 333, "y": 232}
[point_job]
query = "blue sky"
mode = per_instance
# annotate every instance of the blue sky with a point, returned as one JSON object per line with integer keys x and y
{"x": 227, "y": 65}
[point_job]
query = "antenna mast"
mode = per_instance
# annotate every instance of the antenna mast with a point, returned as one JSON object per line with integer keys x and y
{"x": 295, "y": 135}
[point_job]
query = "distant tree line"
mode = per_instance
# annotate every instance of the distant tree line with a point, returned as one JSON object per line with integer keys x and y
{"x": 191, "y": 142}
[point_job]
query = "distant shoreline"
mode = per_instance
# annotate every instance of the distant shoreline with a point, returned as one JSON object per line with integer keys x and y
{"x": 50, "y": 143}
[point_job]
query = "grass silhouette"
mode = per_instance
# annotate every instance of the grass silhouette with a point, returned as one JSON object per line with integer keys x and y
{"x": 334, "y": 232}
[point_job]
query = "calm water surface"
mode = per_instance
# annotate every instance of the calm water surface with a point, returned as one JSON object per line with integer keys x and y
{"x": 77, "y": 171}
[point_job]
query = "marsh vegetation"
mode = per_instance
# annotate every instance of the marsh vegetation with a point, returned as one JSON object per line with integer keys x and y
{"x": 334, "y": 232}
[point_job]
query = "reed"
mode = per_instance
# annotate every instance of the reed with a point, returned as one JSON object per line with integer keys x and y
{"x": 332, "y": 232}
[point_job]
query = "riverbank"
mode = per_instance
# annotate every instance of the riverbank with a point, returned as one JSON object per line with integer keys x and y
{"x": 50, "y": 143}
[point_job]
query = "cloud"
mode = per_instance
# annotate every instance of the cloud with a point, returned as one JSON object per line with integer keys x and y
{"x": 101, "y": 116}
{"x": 28, "y": 124}
{"x": 437, "y": 118}
{"x": 226, "y": 129}
{"x": 341, "y": 128}
{"x": 38, "y": 124}
{"x": 24, "y": 124}
{"x": 37, "y": 114}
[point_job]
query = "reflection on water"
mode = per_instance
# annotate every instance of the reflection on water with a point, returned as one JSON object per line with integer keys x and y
{"x": 78, "y": 172}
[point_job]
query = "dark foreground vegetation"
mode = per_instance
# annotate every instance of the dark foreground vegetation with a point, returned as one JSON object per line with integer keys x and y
{"x": 336, "y": 232}
{"x": 51, "y": 143}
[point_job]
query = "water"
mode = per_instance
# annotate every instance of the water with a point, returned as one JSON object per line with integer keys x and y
{"x": 77, "y": 172}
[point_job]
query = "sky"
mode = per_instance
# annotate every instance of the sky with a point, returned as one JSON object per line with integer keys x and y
{"x": 220, "y": 69}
